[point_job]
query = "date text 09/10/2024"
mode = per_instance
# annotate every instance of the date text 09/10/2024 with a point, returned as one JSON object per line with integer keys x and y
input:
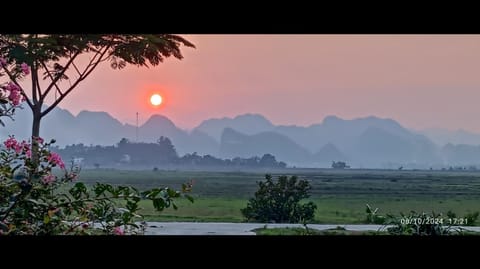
{"x": 422, "y": 221}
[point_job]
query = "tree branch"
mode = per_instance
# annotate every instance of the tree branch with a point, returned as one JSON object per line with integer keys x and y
{"x": 78, "y": 71}
{"x": 38, "y": 85}
{"x": 59, "y": 75}
{"x": 84, "y": 75}
{"x": 34, "y": 84}
{"x": 50, "y": 75}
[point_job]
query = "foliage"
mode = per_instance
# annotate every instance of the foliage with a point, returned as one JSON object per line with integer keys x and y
{"x": 373, "y": 217}
{"x": 339, "y": 165}
{"x": 471, "y": 218}
{"x": 157, "y": 154}
{"x": 280, "y": 201}
{"x": 419, "y": 224}
{"x": 33, "y": 200}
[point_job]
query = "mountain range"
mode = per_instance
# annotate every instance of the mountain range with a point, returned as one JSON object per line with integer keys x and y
{"x": 369, "y": 142}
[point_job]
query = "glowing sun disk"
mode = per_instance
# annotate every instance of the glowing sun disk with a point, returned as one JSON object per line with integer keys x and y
{"x": 156, "y": 99}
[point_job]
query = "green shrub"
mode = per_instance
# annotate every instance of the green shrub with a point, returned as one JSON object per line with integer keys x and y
{"x": 373, "y": 217}
{"x": 471, "y": 218}
{"x": 418, "y": 224}
{"x": 35, "y": 201}
{"x": 280, "y": 201}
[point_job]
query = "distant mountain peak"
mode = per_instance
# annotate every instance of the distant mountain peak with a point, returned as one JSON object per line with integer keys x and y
{"x": 249, "y": 123}
{"x": 157, "y": 119}
{"x": 254, "y": 116}
{"x": 89, "y": 116}
{"x": 87, "y": 113}
{"x": 331, "y": 118}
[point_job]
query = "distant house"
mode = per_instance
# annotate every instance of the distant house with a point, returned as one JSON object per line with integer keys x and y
{"x": 339, "y": 165}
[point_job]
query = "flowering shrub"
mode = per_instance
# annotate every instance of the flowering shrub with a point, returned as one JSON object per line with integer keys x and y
{"x": 36, "y": 200}
{"x": 10, "y": 93}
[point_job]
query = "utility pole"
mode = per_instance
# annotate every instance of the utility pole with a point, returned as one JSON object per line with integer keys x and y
{"x": 136, "y": 130}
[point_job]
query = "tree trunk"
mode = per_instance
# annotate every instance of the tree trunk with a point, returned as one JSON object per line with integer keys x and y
{"x": 37, "y": 117}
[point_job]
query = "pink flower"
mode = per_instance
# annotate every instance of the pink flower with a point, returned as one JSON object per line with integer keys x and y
{"x": 10, "y": 143}
{"x": 73, "y": 177}
{"x": 25, "y": 145}
{"x": 48, "y": 179}
{"x": 15, "y": 95}
{"x": 39, "y": 140}
{"x": 28, "y": 153}
{"x": 54, "y": 158}
{"x": 25, "y": 68}
{"x": 12, "y": 87}
{"x": 3, "y": 62}
{"x": 118, "y": 231}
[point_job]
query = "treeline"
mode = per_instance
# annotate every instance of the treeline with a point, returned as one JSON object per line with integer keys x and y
{"x": 161, "y": 153}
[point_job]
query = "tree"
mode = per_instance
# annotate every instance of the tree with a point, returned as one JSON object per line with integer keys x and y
{"x": 167, "y": 149}
{"x": 55, "y": 58}
{"x": 268, "y": 160}
{"x": 339, "y": 165}
{"x": 280, "y": 201}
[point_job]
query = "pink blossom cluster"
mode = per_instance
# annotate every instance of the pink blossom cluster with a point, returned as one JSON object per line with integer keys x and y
{"x": 54, "y": 158}
{"x": 25, "y": 68}
{"x": 12, "y": 144}
{"x": 15, "y": 93}
{"x": 38, "y": 139}
{"x": 48, "y": 179}
{"x": 118, "y": 231}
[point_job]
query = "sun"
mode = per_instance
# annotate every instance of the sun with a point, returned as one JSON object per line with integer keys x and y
{"x": 156, "y": 99}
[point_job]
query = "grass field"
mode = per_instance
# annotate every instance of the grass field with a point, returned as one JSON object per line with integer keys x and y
{"x": 340, "y": 195}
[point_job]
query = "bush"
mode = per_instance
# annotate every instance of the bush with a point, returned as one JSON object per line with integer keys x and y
{"x": 35, "y": 201}
{"x": 419, "y": 224}
{"x": 280, "y": 201}
{"x": 471, "y": 218}
{"x": 373, "y": 217}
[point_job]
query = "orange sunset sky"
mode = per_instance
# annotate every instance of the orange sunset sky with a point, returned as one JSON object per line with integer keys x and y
{"x": 422, "y": 81}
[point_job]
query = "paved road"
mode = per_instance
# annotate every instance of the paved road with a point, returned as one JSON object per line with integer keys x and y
{"x": 209, "y": 228}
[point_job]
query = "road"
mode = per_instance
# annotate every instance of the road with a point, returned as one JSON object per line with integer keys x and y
{"x": 218, "y": 228}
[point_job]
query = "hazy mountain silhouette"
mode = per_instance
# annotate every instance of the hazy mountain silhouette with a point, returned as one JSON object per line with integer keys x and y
{"x": 461, "y": 154}
{"x": 366, "y": 142}
{"x": 100, "y": 128}
{"x": 248, "y": 124}
{"x": 443, "y": 136}
{"x": 327, "y": 154}
{"x": 236, "y": 144}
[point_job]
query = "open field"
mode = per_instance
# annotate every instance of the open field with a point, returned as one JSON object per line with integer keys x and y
{"x": 340, "y": 195}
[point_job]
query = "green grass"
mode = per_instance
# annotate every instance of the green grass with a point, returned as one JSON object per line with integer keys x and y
{"x": 340, "y": 195}
{"x": 201, "y": 210}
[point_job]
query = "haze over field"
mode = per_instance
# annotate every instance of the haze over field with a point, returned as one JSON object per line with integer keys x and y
{"x": 369, "y": 142}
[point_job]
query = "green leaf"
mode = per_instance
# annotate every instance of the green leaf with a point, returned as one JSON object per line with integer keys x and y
{"x": 37, "y": 202}
{"x": 46, "y": 219}
{"x": 190, "y": 198}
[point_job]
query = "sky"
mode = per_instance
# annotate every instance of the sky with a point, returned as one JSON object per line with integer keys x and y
{"x": 421, "y": 81}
